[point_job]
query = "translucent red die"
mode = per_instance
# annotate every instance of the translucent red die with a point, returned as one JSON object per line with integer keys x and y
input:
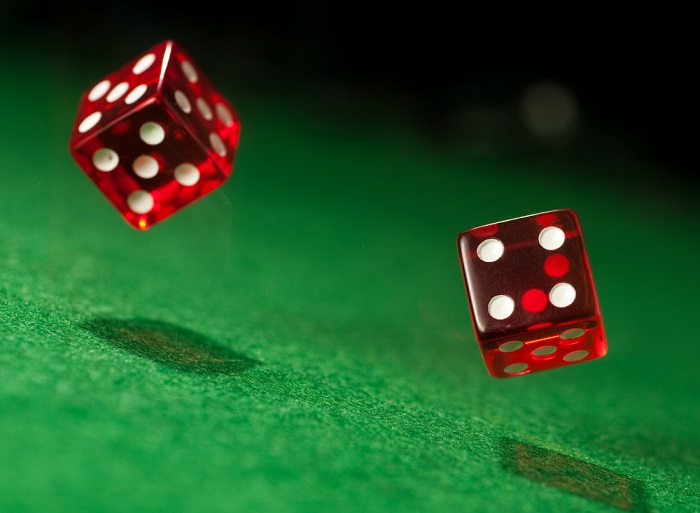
{"x": 531, "y": 294}
{"x": 155, "y": 135}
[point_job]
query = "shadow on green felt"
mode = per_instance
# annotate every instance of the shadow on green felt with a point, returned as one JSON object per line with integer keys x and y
{"x": 171, "y": 345}
{"x": 561, "y": 471}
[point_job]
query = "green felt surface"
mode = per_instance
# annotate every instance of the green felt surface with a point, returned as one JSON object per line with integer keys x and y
{"x": 299, "y": 340}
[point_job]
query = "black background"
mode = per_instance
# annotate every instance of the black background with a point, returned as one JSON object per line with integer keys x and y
{"x": 425, "y": 65}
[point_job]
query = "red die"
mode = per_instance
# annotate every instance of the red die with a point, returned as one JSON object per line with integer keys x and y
{"x": 531, "y": 293}
{"x": 155, "y": 135}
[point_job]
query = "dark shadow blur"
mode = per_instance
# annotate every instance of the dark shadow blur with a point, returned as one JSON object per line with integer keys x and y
{"x": 585, "y": 479}
{"x": 171, "y": 345}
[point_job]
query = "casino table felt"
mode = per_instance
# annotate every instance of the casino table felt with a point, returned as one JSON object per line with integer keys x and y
{"x": 299, "y": 340}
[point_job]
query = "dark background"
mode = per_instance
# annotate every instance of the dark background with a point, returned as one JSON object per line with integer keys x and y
{"x": 455, "y": 75}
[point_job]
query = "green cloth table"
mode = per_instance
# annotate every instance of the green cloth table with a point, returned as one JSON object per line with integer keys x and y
{"x": 299, "y": 340}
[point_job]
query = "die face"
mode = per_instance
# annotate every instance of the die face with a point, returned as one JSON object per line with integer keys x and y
{"x": 155, "y": 135}
{"x": 530, "y": 290}
{"x": 200, "y": 108}
{"x": 122, "y": 91}
{"x": 148, "y": 166}
{"x": 527, "y": 272}
{"x": 545, "y": 349}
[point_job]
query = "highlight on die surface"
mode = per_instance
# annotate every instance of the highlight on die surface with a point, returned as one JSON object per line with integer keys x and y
{"x": 531, "y": 294}
{"x": 155, "y": 135}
